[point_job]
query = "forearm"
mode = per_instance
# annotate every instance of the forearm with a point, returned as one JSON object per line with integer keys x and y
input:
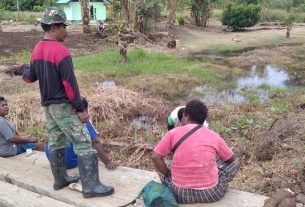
{"x": 160, "y": 164}
{"x": 20, "y": 140}
{"x": 232, "y": 159}
{"x": 98, "y": 146}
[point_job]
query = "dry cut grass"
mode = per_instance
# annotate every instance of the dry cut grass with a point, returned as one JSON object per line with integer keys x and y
{"x": 115, "y": 102}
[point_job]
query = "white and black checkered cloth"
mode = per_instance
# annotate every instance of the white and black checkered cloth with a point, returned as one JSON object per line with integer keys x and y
{"x": 226, "y": 173}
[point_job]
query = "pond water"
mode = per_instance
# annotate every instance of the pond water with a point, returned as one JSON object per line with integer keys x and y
{"x": 256, "y": 81}
{"x": 108, "y": 83}
{"x": 141, "y": 122}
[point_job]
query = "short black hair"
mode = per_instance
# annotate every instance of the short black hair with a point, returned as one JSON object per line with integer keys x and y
{"x": 85, "y": 102}
{"x": 47, "y": 27}
{"x": 197, "y": 111}
{"x": 2, "y": 99}
{"x": 180, "y": 113}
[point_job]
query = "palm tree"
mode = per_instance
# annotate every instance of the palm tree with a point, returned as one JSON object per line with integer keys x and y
{"x": 124, "y": 5}
{"x": 172, "y": 5}
{"x": 85, "y": 12}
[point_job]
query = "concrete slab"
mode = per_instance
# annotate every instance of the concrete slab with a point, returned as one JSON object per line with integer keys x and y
{"x": 11, "y": 196}
{"x": 33, "y": 173}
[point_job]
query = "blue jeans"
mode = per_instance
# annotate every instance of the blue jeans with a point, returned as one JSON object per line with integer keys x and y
{"x": 21, "y": 148}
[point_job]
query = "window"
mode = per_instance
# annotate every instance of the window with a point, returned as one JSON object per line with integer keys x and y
{"x": 92, "y": 13}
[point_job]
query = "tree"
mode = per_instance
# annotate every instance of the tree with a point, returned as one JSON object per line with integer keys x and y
{"x": 172, "y": 5}
{"x": 289, "y": 22}
{"x": 240, "y": 16}
{"x": 85, "y": 12}
{"x": 201, "y": 11}
{"x": 288, "y": 4}
{"x": 124, "y": 6}
{"x": 284, "y": 4}
{"x": 265, "y": 4}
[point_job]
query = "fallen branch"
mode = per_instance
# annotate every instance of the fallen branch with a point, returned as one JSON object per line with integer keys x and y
{"x": 146, "y": 38}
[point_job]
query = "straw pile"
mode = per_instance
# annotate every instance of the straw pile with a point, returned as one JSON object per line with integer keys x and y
{"x": 119, "y": 102}
{"x": 25, "y": 110}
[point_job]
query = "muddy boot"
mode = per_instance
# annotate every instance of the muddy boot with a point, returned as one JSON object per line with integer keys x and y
{"x": 88, "y": 170}
{"x": 58, "y": 166}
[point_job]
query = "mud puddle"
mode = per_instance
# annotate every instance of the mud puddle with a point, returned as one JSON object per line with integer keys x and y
{"x": 255, "y": 83}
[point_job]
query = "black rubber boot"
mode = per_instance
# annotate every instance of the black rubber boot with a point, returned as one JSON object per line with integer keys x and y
{"x": 88, "y": 170}
{"x": 58, "y": 166}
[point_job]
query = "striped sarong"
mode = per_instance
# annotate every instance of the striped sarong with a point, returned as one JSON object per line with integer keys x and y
{"x": 226, "y": 173}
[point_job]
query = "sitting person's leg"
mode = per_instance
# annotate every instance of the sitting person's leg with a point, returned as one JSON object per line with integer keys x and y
{"x": 188, "y": 196}
{"x": 21, "y": 148}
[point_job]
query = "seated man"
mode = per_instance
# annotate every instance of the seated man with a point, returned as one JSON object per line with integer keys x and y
{"x": 175, "y": 118}
{"x": 71, "y": 157}
{"x": 10, "y": 143}
{"x": 196, "y": 176}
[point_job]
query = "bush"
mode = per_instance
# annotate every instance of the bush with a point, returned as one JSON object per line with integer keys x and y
{"x": 38, "y": 8}
{"x": 181, "y": 20}
{"x": 301, "y": 8}
{"x": 240, "y": 16}
{"x": 5, "y": 15}
{"x": 281, "y": 15}
{"x": 276, "y": 15}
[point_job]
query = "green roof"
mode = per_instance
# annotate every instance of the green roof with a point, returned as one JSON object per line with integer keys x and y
{"x": 67, "y": 1}
{"x": 63, "y": 1}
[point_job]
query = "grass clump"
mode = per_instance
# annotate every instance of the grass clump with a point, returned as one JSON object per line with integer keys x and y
{"x": 24, "y": 16}
{"x": 223, "y": 48}
{"x": 141, "y": 62}
{"x": 23, "y": 56}
{"x": 180, "y": 20}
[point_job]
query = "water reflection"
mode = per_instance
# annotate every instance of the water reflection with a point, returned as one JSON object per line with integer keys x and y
{"x": 257, "y": 80}
{"x": 109, "y": 83}
{"x": 269, "y": 75}
{"x": 140, "y": 122}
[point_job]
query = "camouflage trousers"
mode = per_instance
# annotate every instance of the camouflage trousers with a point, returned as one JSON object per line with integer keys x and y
{"x": 63, "y": 125}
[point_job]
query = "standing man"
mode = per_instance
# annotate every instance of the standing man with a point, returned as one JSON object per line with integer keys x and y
{"x": 51, "y": 64}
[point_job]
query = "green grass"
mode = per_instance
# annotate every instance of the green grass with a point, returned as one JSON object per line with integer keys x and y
{"x": 24, "y": 16}
{"x": 23, "y": 56}
{"x": 281, "y": 15}
{"x": 223, "y": 48}
{"x": 141, "y": 62}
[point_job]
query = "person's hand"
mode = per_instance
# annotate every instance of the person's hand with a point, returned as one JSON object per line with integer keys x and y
{"x": 111, "y": 165}
{"x": 83, "y": 116}
{"x": 18, "y": 69}
{"x": 14, "y": 69}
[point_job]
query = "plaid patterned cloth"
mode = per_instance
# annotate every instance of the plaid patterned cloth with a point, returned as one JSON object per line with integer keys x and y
{"x": 226, "y": 173}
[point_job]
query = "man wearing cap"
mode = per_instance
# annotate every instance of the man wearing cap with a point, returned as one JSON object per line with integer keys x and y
{"x": 51, "y": 64}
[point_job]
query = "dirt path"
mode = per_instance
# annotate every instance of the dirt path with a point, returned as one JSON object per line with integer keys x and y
{"x": 215, "y": 38}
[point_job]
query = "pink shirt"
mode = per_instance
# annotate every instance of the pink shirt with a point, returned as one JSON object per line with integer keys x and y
{"x": 194, "y": 162}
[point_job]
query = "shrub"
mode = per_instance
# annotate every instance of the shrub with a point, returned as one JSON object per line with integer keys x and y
{"x": 5, "y": 15}
{"x": 38, "y": 8}
{"x": 181, "y": 20}
{"x": 240, "y": 16}
{"x": 301, "y": 7}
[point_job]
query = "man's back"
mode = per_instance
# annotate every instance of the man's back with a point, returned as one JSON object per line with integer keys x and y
{"x": 194, "y": 162}
{"x": 47, "y": 61}
{"x": 51, "y": 64}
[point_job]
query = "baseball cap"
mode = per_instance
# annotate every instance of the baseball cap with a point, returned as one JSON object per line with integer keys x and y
{"x": 53, "y": 15}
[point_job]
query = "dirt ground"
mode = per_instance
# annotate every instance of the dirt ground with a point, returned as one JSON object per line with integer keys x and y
{"x": 284, "y": 169}
{"x": 17, "y": 38}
